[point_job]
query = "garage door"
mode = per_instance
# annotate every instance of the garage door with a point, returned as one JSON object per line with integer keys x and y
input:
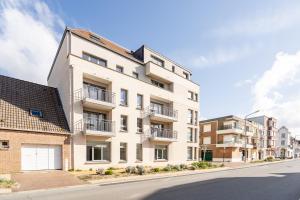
{"x": 40, "y": 157}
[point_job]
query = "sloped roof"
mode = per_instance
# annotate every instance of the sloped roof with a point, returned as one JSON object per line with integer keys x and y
{"x": 17, "y": 97}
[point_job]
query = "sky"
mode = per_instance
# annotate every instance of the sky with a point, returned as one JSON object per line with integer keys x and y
{"x": 244, "y": 54}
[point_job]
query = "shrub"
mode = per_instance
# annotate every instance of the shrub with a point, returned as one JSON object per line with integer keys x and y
{"x": 156, "y": 169}
{"x": 78, "y": 170}
{"x": 6, "y": 183}
{"x": 269, "y": 159}
{"x": 192, "y": 167}
{"x": 130, "y": 170}
{"x": 91, "y": 169}
{"x": 195, "y": 164}
{"x": 99, "y": 171}
{"x": 176, "y": 167}
{"x": 183, "y": 166}
{"x": 222, "y": 165}
{"x": 167, "y": 168}
{"x": 111, "y": 168}
{"x": 108, "y": 172}
{"x": 71, "y": 170}
{"x": 140, "y": 169}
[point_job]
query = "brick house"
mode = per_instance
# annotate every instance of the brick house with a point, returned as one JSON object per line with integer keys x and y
{"x": 34, "y": 133}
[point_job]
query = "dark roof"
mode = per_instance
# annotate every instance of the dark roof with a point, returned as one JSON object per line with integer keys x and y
{"x": 217, "y": 118}
{"x": 17, "y": 97}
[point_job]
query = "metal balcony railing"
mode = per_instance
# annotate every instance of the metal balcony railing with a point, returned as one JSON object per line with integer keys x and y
{"x": 229, "y": 126}
{"x": 99, "y": 94}
{"x": 95, "y": 124}
{"x": 166, "y": 111}
{"x": 163, "y": 133}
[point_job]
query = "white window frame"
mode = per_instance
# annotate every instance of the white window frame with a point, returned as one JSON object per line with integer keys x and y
{"x": 207, "y": 140}
{"x": 124, "y": 99}
{"x": 206, "y": 128}
{"x": 164, "y": 152}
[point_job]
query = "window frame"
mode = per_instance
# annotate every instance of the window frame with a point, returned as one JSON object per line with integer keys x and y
{"x": 123, "y": 102}
{"x": 124, "y": 127}
{"x": 139, "y": 107}
{"x": 123, "y": 151}
{"x": 189, "y": 157}
{"x": 97, "y": 144}
{"x": 139, "y": 129}
{"x": 36, "y": 112}
{"x": 4, "y": 147}
{"x": 139, "y": 155}
{"x": 120, "y": 69}
{"x": 135, "y": 75}
{"x": 89, "y": 57}
{"x": 163, "y": 149}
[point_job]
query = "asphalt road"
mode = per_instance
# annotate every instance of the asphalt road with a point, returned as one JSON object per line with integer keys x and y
{"x": 275, "y": 181}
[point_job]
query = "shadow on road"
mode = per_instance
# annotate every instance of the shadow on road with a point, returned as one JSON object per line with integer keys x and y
{"x": 285, "y": 186}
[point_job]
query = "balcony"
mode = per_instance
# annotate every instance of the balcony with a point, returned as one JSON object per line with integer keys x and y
{"x": 235, "y": 144}
{"x": 164, "y": 114}
{"x": 231, "y": 129}
{"x": 158, "y": 72}
{"x": 97, "y": 127}
{"x": 162, "y": 135}
{"x": 95, "y": 98}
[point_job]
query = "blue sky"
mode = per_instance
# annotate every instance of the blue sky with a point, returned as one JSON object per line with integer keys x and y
{"x": 244, "y": 54}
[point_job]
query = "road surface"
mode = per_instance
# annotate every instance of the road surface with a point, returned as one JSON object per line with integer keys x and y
{"x": 275, "y": 181}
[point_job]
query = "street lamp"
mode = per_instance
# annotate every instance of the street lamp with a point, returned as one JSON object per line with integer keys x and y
{"x": 245, "y": 133}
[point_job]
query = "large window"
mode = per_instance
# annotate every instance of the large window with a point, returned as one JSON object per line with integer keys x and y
{"x": 97, "y": 151}
{"x": 196, "y": 135}
{"x": 195, "y": 153}
{"x": 283, "y": 142}
{"x": 94, "y": 59}
{"x": 139, "y": 101}
{"x": 191, "y": 95}
{"x": 283, "y": 135}
{"x": 190, "y": 116}
{"x": 123, "y": 124}
{"x": 190, "y": 135}
{"x": 161, "y": 152}
{"x": 190, "y": 153}
{"x": 157, "y": 61}
{"x": 206, "y": 128}
{"x": 139, "y": 127}
{"x": 119, "y": 69}
{"x": 157, "y": 83}
{"x": 139, "y": 152}
{"x": 124, "y": 97}
{"x": 196, "y": 118}
{"x": 123, "y": 152}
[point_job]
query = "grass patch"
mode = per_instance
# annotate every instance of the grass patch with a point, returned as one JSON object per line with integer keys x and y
{"x": 6, "y": 183}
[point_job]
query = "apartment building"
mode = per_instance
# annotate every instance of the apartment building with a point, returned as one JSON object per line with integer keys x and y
{"x": 34, "y": 133}
{"x": 270, "y": 127}
{"x": 284, "y": 143}
{"x": 124, "y": 107}
{"x": 230, "y": 138}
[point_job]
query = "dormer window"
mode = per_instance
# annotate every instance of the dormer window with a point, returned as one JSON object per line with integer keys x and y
{"x": 95, "y": 38}
{"x": 36, "y": 113}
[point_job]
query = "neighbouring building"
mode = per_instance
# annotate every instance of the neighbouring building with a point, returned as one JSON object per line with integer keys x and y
{"x": 124, "y": 107}
{"x": 230, "y": 138}
{"x": 34, "y": 133}
{"x": 284, "y": 143}
{"x": 270, "y": 127}
{"x": 297, "y": 147}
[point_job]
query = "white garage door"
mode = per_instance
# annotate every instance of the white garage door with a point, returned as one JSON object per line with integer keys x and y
{"x": 40, "y": 157}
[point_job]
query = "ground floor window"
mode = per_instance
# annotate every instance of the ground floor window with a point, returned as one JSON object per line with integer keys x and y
{"x": 98, "y": 151}
{"x": 190, "y": 153}
{"x": 195, "y": 153}
{"x": 139, "y": 152}
{"x": 123, "y": 151}
{"x": 161, "y": 152}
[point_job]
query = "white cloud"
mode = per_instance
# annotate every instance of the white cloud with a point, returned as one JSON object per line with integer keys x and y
{"x": 277, "y": 91}
{"x": 246, "y": 82}
{"x": 28, "y": 39}
{"x": 264, "y": 22}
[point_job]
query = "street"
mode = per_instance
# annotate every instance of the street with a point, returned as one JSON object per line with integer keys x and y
{"x": 274, "y": 181}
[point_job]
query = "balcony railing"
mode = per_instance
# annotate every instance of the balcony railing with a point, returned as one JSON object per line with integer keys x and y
{"x": 230, "y": 126}
{"x": 165, "y": 111}
{"x": 95, "y": 124}
{"x": 163, "y": 133}
{"x": 99, "y": 94}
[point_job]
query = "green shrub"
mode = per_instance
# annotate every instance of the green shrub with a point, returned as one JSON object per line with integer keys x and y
{"x": 91, "y": 169}
{"x": 71, "y": 170}
{"x": 167, "y": 168}
{"x": 130, "y": 170}
{"x": 222, "y": 165}
{"x": 6, "y": 183}
{"x": 176, "y": 167}
{"x": 111, "y": 168}
{"x": 269, "y": 159}
{"x": 192, "y": 167}
{"x": 183, "y": 166}
{"x": 156, "y": 169}
{"x": 99, "y": 171}
{"x": 140, "y": 170}
{"x": 78, "y": 170}
{"x": 108, "y": 172}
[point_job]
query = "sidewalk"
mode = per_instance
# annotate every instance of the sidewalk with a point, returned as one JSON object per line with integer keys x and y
{"x": 137, "y": 178}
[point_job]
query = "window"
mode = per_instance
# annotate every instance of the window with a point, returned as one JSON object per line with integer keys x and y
{"x": 283, "y": 142}
{"x": 196, "y": 135}
{"x": 94, "y": 59}
{"x": 190, "y": 135}
{"x": 123, "y": 152}
{"x": 36, "y": 113}
{"x": 97, "y": 151}
{"x": 195, "y": 153}
{"x": 157, "y": 61}
{"x": 135, "y": 75}
{"x": 95, "y": 38}
{"x": 190, "y": 153}
{"x": 139, "y": 125}
{"x": 120, "y": 69}
{"x": 124, "y": 123}
{"x": 139, "y": 152}
{"x": 173, "y": 68}
{"x": 191, "y": 95}
{"x": 196, "y": 118}
{"x": 207, "y": 140}
{"x": 124, "y": 97}
{"x": 158, "y": 84}
{"x": 283, "y": 135}
{"x": 161, "y": 152}
{"x": 157, "y": 108}
{"x": 196, "y": 97}
{"x": 206, "y": 128}
{"x": 190, "y": 116}
{"x": 4, "y": 144}
{"x": 139, "y": 101}
{"x": 186, "y": 75}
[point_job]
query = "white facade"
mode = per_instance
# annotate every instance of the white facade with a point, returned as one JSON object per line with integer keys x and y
{"x": 103, "y": 108}
{"x": 284, "y": 145}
